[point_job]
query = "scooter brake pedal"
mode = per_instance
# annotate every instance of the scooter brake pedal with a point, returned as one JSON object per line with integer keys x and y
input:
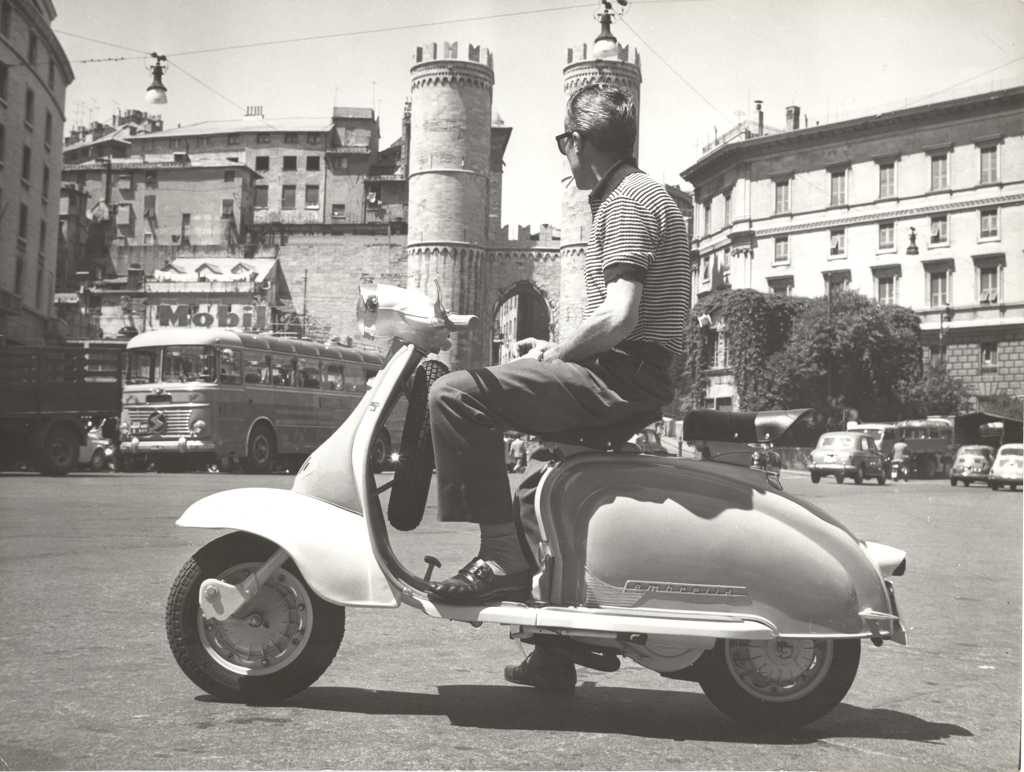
{"x": 432, "y": 563}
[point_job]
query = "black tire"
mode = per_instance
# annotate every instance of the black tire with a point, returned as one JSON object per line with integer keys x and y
{"x": 882, "y": 478}
{"x": 839, "y": 479}
{"x": 416, "y": 452}
{"x": 203, "y": 650}
{"x": 994, "y": 486}
{"x": 260, "y": 451}
{"x": 380, "y": 451}
{"x": 815, "y": 477}
{"x": 952, "y": 481}
{"x": 967, "y": 483}
{"x": 836, "y": 661}
{"x": 58, "y": 454}
{"x": 858, "y": 476}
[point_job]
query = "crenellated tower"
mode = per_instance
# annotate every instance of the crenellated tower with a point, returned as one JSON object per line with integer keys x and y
{"x": 604, "y": 61}
{"x": 449, "y": 168}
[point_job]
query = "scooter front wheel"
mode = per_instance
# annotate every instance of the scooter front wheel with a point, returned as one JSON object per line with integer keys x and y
{"x": 779, "y": 684}
{"x": 283, "y": 641}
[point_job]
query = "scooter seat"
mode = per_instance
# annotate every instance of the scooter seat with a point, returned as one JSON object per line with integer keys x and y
{"x": 608, "y": 437}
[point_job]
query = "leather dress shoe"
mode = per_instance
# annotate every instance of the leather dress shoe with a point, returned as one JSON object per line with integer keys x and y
{"x": 544, "y": 668}
{"x": 476, "y": 584}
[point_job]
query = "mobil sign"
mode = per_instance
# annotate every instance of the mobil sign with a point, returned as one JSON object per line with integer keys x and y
{"x": 247, "y": 317}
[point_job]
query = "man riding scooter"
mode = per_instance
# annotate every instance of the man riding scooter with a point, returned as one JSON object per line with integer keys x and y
{"x": 615, "y": 366}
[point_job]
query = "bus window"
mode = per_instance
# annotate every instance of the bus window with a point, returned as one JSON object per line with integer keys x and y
{"x": 230, "y": 366}
{"x": 334, "y": 380}
{"x": 142, "y": 366}
{"x": 282, "y": 370}
{"x": 354, "y": 378}
{"x": 188, "y": 363}
{"x": 308, "y": 372}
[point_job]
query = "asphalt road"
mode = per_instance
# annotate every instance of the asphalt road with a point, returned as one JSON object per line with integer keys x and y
{"x": 87, "y": 680}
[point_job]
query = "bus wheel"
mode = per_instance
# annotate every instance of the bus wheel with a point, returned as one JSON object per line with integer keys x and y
{"x": 380, "y": 451}
{"x": 59, "y": 452}
{"x": 416, "y": 452}
{"x": 259, "y": 455}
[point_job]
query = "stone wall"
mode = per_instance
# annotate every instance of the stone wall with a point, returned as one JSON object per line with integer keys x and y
{"x": 963, "y": 361}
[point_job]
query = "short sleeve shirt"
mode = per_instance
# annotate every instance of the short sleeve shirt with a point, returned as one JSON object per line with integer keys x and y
{"x": 637, "y": 224}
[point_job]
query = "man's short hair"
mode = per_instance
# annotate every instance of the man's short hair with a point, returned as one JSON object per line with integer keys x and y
{"x": 605, "y": 115}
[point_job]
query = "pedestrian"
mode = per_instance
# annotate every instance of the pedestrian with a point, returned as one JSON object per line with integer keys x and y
{"x": 613, "y": 367}
{"x": 518, "y": 450}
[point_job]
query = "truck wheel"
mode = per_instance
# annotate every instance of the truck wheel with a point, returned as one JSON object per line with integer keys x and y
{"x": 259, "y": 455}
{"x": 858, "y": 476}
{"x": 839, "y": 479}
{"x": 282, "y": 643}
{"x": 59, "y": 453}
{"x": 815, "y": 477}
{"x": 779, "y": 684}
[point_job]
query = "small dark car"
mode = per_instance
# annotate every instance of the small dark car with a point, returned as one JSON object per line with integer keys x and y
{"x": 972, "y": 464}
{"x": 847, "y": 454}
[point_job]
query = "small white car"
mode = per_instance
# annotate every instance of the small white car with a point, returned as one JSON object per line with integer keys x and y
{"x": 1008, "y": 468}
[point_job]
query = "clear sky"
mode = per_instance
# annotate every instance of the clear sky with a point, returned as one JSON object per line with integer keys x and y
{"x": 704, "y": 62}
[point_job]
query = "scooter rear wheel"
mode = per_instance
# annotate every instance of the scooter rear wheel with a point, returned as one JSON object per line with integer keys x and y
{"x": 779, "y": 684}
{"x": 281, "y": 643}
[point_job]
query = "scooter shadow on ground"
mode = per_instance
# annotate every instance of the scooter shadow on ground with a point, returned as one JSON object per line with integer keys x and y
{"x": 649, "y": 713}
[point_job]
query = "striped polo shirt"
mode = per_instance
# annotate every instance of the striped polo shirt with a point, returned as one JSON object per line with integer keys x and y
{"x": 637, "y": 223}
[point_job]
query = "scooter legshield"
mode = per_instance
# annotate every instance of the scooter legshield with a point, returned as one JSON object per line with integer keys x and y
{"x": 330, "y": 545}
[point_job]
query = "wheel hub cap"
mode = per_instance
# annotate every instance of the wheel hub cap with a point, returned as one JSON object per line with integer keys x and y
{"x": 779, "y": 671}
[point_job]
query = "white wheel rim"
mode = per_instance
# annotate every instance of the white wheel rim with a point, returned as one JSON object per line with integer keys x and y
{"x": 269, "y": 634}
{"x": 780, "y": 670}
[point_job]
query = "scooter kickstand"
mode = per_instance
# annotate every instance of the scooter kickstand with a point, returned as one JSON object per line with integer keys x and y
{"x": 432, "y": 563}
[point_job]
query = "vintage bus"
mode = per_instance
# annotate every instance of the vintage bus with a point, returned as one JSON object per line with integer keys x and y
{"x": 229, "y": 397}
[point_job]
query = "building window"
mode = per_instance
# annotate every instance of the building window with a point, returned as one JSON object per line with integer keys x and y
{"x": 989, "y": 356}
{"x": 781, "y": 286}
{"x": 989, "y": 165}
{"x": 781, "y": 196}
{"x": 262, "y": 162}
{"x": 23, "y": 226}
{"x": 887, "y": 179}
{"x": 26, "y": 164}
{"x": 338, "y": 211}
{"x": 988, "y": 284}
{"x": 720, "y": 349}
{"x": 151, "y": 180}
{"x": 48, "y": 129}
{"x": 312, "y": 196}
{"x": 186, "y": 228}
{"x": 940, "y": 171}
{"x": 886, "y": 235}
{"x": 227, "y": 208}
{"x": 234, "y": 139}
{"x": 39, "y": 286}
{"x": 938, "y": 289}
{"x": 147, "y": 239}
{"x": 46, "y": 184}
{"x": 707, "y": 217}
{"x": 781, "y": 256}
{"x": 312, "y": 163}
{"x": 229, "y": 175}
{"x": 940, "y": 230}
{"x": 726, "y": 267}
{"x": 4, "y": 69}
{"x": 705, "y": 269}
{"x": 51, "y": 74}
{"x": 288, "y": 163}
{"x": 262, "y": 139}
{"x": 312, "y": 139}
{"x": 260, "y": 197}
{"x": 727, "y": 201}
{"x": 989, "y": 223}
{"x": 837, "y": 242}
{"x": 886, "y": 292}
{"x": 836, "y": 283}
{"x": 287, "y": 196}
{"x": 3, "y": 145}
{"x": 30, "y": 107}
{"x": 33, "y": 47}
{"x": 5, "y": 18}
{"x": 149, "y": 207}
{"x": 837, "y": 188}
{"x": 291, "y": 138}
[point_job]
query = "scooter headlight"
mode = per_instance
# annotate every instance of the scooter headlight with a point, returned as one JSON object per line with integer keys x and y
{"x": 198, "y": 427}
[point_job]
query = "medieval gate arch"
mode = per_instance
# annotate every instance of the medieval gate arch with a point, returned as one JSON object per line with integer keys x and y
{"x": 521, "y": 311}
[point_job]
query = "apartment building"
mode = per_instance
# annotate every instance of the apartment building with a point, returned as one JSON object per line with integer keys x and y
{"x": 34, "y": 73}
{"x": 923, "y": 207}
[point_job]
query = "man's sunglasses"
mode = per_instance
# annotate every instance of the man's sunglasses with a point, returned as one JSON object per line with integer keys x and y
{"x": 562, "y": 140}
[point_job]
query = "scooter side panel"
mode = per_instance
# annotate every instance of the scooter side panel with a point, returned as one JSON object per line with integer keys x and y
{"x": 644, "y": 532}
{"x": 329, "y": 545}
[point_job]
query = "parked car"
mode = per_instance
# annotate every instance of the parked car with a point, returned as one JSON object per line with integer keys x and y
{"x": 848, "y": 454}
{"x": 1008, "y": 468}
{"x": 98, "y": 452}
{"x": 972, "y": 464}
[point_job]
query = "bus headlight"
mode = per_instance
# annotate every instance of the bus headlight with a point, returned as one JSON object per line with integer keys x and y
{"x": 198, "y": 427}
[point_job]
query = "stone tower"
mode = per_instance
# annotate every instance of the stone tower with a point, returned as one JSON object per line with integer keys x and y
{"x": 605, "y": 61}
{"x": 449, "y": 167}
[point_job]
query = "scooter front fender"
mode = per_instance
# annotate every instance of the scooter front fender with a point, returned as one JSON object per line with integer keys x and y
{"x": 330, "y": 545}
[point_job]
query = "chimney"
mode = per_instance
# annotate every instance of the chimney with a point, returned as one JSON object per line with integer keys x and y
{"x": 136, "y": 276}
{"x": 760, "y": 118}
{"x": 792, "y": 118}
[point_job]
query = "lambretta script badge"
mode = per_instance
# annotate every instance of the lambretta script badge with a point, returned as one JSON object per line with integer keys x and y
{"x": 680, "y": 588}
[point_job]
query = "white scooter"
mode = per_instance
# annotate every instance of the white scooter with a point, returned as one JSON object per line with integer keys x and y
{"x": 698, "y": 570}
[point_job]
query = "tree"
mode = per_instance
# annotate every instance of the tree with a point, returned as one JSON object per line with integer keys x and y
{"x": 936, "y": 392}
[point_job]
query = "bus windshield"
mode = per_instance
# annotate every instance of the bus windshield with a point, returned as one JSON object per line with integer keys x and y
{"x": 171, "y": 364}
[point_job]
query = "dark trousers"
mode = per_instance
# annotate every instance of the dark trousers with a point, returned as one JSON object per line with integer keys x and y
{"x": 470, "y": 410}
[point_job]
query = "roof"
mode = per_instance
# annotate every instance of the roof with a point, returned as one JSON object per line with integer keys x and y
{"x": 209, "y": 336}
{"x": 162, "y": 162}
{"x": 365, "y": 113}
{"x": 243, "y": 126}
{"x": 117, "y": 135}
{"x": 216, "y": 269}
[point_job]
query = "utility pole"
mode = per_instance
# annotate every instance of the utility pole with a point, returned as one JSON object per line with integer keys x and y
{"x": 305, "y": 285}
